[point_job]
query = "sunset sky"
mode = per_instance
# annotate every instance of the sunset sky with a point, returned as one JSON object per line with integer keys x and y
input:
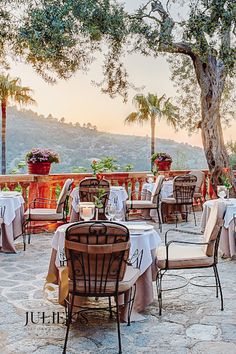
{"x": 79, "y": 101}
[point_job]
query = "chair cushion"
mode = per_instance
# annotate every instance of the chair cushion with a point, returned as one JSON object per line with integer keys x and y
{"x": 130, "y": 278}
{"x": 43, "y": 214}
{"x": 169, "y": 200}
{"x": 142, "y": 204}
{"x": 183, "y": 256}
{"x": 197, "y": 195}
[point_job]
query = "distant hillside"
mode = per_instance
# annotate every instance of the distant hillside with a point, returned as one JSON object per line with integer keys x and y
{"x": 78, "y": 145}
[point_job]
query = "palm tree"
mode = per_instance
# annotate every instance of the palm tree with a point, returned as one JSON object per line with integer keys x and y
{"x": 151, "y": 107}
{"x": 11, "y": 91}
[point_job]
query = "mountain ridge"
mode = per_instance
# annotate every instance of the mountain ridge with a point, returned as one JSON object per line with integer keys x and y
{"x": 77, "y": 145}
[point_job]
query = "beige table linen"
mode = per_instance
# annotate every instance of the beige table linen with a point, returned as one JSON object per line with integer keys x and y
{"x": 227, "y": 243}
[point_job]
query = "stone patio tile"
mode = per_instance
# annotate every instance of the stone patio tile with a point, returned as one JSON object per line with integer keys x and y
{"x": 192, "y": 322}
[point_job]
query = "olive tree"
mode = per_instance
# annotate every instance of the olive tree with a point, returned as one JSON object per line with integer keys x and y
{"x": 61, "y": 36}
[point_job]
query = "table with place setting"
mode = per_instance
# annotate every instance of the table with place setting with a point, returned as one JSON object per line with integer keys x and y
{"x": 143, "y": 238}
{"x": 13, "y": 205}
{"x": 118, "y": 195}
{"x": 227, "y": 243}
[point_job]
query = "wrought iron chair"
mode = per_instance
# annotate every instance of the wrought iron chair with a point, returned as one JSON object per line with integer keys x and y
{"x": 197, "y": 196}
{"x": 37, "y": 211}
{"x": 2, "y": 212}
{"x": 177, "y": 255}
{"x": 183, "y": 191}
{"x": 154, "y": 203}
{"x": 89, "y": 189}
{"x": 97, "y": 258}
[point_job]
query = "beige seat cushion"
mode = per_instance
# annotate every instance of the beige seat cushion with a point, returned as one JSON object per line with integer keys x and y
{"x": 43, "y": 214}
{"x": 169, "y": 200}
{"x": 183, "y": 256}
{"x": 130, "y": 278}
{"x": 143, "y": 204}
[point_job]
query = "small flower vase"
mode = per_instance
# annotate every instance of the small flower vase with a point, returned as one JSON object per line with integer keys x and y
{"x": 96, "y": 214}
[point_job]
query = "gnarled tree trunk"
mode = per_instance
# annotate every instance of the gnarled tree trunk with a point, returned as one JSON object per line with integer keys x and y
{"x": 211, "y": 78}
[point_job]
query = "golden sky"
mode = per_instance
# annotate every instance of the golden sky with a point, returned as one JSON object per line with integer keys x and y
{"x": 79, "y": 101}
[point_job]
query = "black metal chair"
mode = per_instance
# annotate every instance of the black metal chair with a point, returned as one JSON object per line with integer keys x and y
{"x": 38, "y": 212}
{"x": 92, "y": 188}
{"x": 183, "y": 192}
{"x": 98, "y": 266}
{"x": 154, "y": 203}
{"x": 179, "y": 255}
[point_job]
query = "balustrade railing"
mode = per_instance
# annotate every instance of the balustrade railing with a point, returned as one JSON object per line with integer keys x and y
{"x": 48, "y": 186}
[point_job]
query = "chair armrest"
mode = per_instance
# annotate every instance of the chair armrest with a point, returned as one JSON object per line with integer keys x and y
{"x": 183, "y": 232}
{"x": 42, "y": 201}
{"x": 136, "y": 259}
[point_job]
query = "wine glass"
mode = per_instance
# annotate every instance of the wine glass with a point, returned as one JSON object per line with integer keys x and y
{"x": 110, "y": 211}
{"x": 119, "y": 215}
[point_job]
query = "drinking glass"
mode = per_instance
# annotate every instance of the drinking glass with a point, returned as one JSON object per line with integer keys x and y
{"x": 119, "y": 215}
{"x": 110, "y": 211}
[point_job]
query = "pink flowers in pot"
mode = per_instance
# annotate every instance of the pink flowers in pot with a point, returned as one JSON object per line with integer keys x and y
{"x": 42, "y": 155}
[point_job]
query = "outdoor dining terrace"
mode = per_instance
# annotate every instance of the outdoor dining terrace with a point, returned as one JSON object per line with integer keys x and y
{"x": 190, "y": 319}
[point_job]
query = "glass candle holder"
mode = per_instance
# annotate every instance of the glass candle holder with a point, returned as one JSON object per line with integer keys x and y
{"x": 222, "y": 192}
{"x": 86, "y": 211}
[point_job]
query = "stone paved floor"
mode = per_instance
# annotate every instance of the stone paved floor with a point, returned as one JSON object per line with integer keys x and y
{"x": 191, "y": 323}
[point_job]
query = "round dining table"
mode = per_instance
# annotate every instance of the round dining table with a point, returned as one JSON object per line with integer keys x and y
{"x": 13, "y": 205}
{"x": 227, "y": 243}
{"x": 146, "y": 240}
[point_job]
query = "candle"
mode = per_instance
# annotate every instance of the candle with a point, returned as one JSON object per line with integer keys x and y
{"x": 86, "y": 210}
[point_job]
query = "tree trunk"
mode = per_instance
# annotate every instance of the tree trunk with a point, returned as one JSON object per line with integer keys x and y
{"x": 211, "y": 79}
{"x": 153, "y": 125}
{"x": 4, "y": 116}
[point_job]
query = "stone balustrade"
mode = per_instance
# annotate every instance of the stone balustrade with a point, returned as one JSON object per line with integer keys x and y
{"x": 48, "y": 186}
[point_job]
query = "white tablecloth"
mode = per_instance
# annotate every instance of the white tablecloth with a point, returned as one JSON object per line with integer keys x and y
{"x": 146, "y": 241}
{"x": 166, "y": 191}
{"x": 227, "y": 240}
{"x": 117, "y": 194}
{"x": 229, "y": 214}
{"x": 12, "y": 220}
{"x": 11, "y": 204}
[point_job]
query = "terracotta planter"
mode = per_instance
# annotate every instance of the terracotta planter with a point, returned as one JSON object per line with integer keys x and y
{"x": 163, "y": 165}
{"x": 39, "y": 168}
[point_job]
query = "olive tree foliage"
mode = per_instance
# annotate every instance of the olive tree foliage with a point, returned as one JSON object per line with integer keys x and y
{"x": 59, "y": 37}
{"x": 202, "y": 42}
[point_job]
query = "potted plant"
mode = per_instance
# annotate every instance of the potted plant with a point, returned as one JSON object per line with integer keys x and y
{"x": 162, "y": 161}
{"x": 39, "y": 160}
